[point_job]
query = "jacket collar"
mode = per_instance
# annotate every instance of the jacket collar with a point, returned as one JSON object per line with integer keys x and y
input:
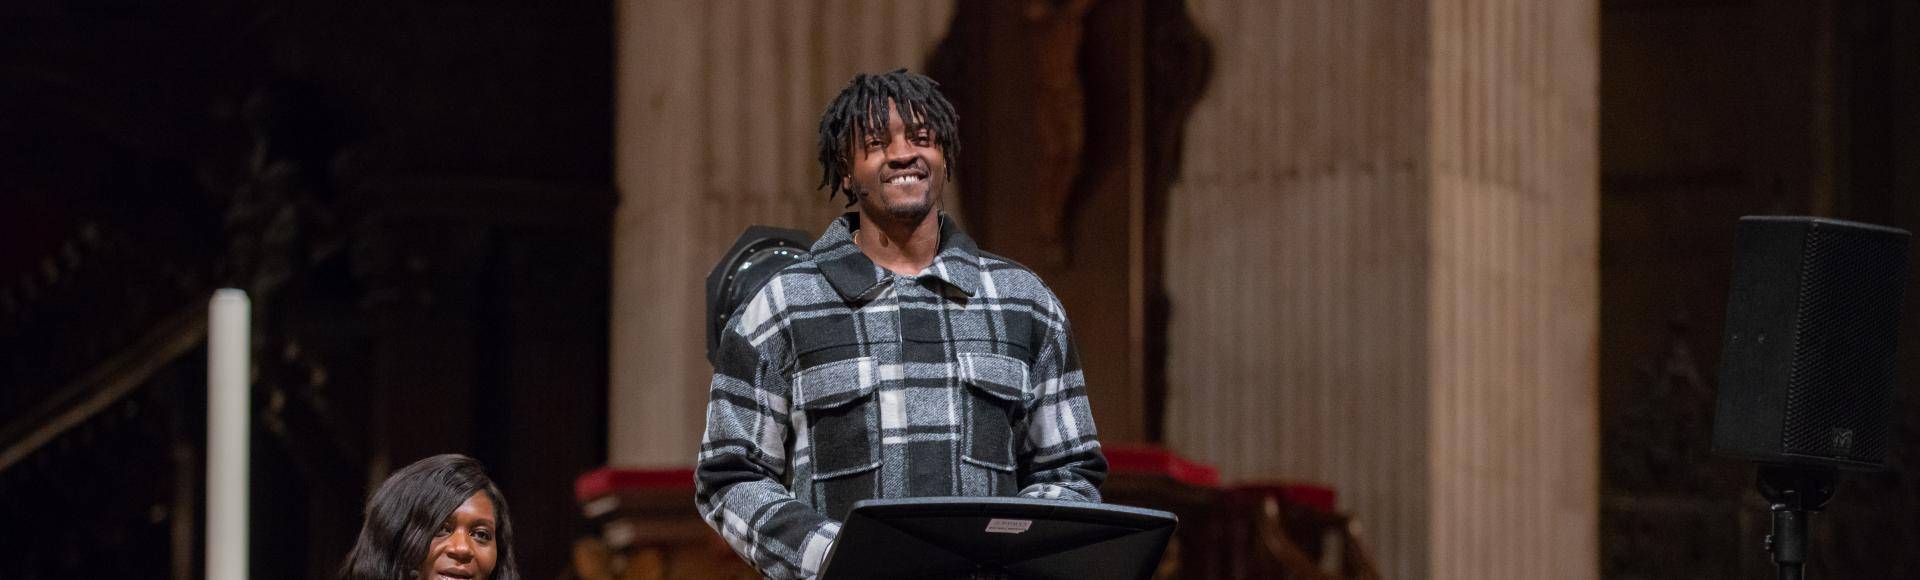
{"x": 854, "y": 275}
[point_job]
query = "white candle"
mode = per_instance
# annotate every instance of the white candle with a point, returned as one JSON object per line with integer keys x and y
{"x": 228, "y": 391}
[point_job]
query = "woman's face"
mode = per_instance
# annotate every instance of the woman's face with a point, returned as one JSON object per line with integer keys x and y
{"x": 464, "y": 548}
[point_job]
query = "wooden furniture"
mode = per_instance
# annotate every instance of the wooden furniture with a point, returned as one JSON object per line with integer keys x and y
{"x": 646, "y": 527}
{"x": 1286, "y": 530}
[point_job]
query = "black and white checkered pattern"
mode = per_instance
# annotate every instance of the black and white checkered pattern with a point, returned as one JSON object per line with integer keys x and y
{"x": 841, "y": 381}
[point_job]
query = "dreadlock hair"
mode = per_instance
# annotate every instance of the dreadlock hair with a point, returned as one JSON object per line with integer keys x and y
{"x": 861, "y": 110}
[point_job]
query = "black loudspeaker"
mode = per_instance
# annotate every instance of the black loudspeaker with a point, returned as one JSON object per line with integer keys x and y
{"x": 1806, "y": 376}
{"x": 755, "y": 257}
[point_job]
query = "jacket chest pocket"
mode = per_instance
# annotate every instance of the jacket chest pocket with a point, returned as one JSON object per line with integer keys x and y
{"x": 843, "y": 421}
{"x": 995, "y": 399}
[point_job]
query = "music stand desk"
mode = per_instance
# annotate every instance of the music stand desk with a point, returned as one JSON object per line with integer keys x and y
{"x": 997, "y": 537}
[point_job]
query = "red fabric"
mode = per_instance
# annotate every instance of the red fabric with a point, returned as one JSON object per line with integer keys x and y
{"x": 1129, "y": 459}
{"x": 1308, "y": 494}
{"x": 607, "y": 480}
{"x": 1152, "y": 460}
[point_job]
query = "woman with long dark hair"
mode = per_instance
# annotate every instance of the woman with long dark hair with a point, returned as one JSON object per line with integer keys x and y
{"x": 439, "y": 518}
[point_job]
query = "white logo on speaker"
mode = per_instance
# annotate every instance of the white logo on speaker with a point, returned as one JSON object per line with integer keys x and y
{"x": 1841, "y": 440}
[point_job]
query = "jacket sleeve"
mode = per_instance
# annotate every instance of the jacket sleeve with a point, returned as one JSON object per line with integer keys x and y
{"x": 1060, "y": 456}
{"x": 738, "y": 479}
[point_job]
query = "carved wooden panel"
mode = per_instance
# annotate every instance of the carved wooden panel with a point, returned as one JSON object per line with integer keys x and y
{"x": 421, "y": 216}
{"x": 1800, "y": 110}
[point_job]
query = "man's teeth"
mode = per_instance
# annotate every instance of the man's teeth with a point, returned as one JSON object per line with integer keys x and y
{"x": 904, "y": 180}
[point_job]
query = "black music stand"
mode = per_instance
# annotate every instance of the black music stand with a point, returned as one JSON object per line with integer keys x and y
{"x": 997, "y": 538}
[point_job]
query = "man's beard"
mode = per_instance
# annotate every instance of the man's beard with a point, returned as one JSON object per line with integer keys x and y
{"x": 907, "y": 212}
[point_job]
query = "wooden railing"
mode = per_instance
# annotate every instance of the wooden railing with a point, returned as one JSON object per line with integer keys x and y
{"x": 102, "y": 394}
{"x": 101, "y": 400}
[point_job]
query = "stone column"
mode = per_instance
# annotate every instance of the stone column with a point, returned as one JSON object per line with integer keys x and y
{"x": 1382, "y": 260}
{"x": 718, "y": 107}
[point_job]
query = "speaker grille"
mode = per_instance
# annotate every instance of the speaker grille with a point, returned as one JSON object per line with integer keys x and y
{"x": 1839, "y": 394}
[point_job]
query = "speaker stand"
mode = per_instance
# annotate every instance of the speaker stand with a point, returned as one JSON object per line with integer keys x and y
{"x": 1795, "y": 494}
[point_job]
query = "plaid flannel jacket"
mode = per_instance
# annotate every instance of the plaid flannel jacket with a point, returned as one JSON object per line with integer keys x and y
{"x": 841, "y": 381}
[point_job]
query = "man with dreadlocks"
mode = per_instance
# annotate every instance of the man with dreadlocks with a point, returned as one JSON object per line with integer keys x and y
{"x": 900, "y": 361}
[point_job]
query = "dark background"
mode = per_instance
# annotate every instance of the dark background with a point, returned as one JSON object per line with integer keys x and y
{"x": 418, "y": 196}
{"x": 1711, "y": 110}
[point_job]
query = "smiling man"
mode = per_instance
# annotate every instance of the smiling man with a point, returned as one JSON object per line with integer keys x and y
{"x": 900, "y": 361}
